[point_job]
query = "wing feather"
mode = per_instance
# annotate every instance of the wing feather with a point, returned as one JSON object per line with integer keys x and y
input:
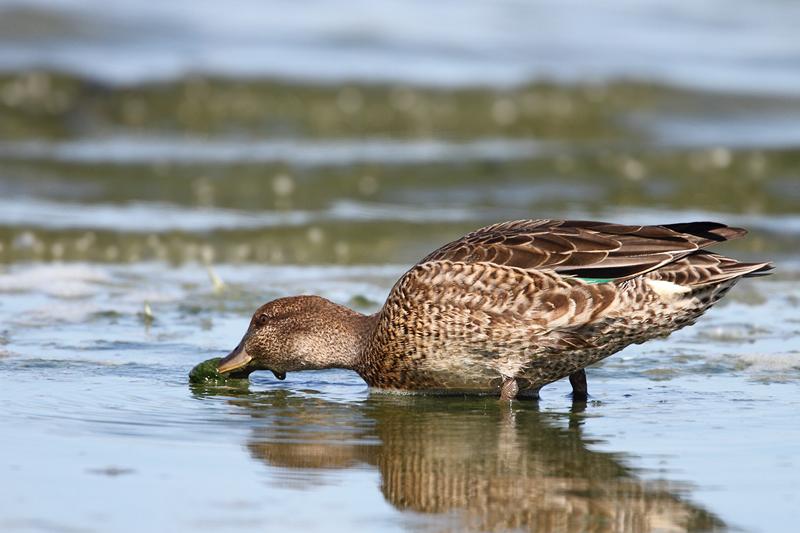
{"x": 583, "y": 248}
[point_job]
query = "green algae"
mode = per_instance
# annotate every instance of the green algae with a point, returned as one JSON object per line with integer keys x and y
{"x": 42, "y": 104}
{"x": 57, "y": 105}
{"x": 206, "y": 373}
{"x": 597, "y": 160}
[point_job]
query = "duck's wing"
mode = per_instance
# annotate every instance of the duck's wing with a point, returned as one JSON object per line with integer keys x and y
{"x": 585, "y": 249}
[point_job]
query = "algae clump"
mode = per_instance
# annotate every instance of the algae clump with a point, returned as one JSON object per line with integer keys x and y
{"x": 206, "y": 372}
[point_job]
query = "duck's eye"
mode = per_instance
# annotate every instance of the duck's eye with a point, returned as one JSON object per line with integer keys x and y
{"x": 261, "y": 319}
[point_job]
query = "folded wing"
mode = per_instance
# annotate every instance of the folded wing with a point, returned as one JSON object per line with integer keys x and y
{"x": 585, "y": 249}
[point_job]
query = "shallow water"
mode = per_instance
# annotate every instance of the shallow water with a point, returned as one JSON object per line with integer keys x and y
{"x": 694, "y": 433}
{"x": 149, "y": 204}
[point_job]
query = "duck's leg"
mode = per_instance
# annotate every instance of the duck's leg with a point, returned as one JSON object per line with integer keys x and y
{"x": 580, "y": 391}
{"x": 509, "y": 389}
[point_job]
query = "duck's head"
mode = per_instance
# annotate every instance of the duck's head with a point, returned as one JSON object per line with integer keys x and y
{"x": 296, "y": 333}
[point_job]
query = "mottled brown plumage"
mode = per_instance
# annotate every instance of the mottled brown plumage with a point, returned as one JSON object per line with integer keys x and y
{"x": 507, "y": 309}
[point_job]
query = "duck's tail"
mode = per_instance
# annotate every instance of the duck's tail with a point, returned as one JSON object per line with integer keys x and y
{"x": 703, "y": 268}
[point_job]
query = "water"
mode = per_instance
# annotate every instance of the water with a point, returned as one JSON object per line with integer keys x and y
{"x": 107, "y": 430}
{"x": 749, "y": 47}
{"x": 150, "y": 202}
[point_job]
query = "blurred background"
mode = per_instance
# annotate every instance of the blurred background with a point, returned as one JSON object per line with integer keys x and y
{"x": 362, "y": 132}
{"x": 167, "y": 167}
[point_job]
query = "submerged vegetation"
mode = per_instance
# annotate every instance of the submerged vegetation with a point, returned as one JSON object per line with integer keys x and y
{"x": 48, "y": 105}
{"x": 263, "y": 170}
{"x": 206, "y": 373}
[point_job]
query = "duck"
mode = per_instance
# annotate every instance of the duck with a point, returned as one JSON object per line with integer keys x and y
{"x": 506, "y": 309}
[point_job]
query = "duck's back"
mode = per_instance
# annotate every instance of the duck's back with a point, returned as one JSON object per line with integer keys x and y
{"x": 536, "y": 300}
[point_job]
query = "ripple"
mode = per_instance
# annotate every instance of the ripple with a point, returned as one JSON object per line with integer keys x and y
{"x": 162, "y": 217}
{"x": 749, "y": 48}
{"x": 299, "y": 152}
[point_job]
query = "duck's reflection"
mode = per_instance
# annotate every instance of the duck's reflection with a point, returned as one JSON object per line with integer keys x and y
{"x": 490, "y": 467}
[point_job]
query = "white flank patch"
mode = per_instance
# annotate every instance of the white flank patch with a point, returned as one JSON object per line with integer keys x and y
{"x": 667, "y": 289}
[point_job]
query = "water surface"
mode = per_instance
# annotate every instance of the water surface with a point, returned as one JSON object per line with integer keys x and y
{"x": 149, "y": 203}
{"x": 106, "y": 426}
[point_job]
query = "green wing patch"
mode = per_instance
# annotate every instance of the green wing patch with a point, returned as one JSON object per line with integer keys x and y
{"x": 596, "y": 280}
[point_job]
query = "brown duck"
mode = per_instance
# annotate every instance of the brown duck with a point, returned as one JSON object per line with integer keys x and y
{"x": 506, "y": 309}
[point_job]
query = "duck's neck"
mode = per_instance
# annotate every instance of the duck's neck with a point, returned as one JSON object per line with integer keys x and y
{"x": 340, "y": 342}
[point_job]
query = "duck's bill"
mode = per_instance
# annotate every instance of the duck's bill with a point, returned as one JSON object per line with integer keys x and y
{"x": 238, "y": 358}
